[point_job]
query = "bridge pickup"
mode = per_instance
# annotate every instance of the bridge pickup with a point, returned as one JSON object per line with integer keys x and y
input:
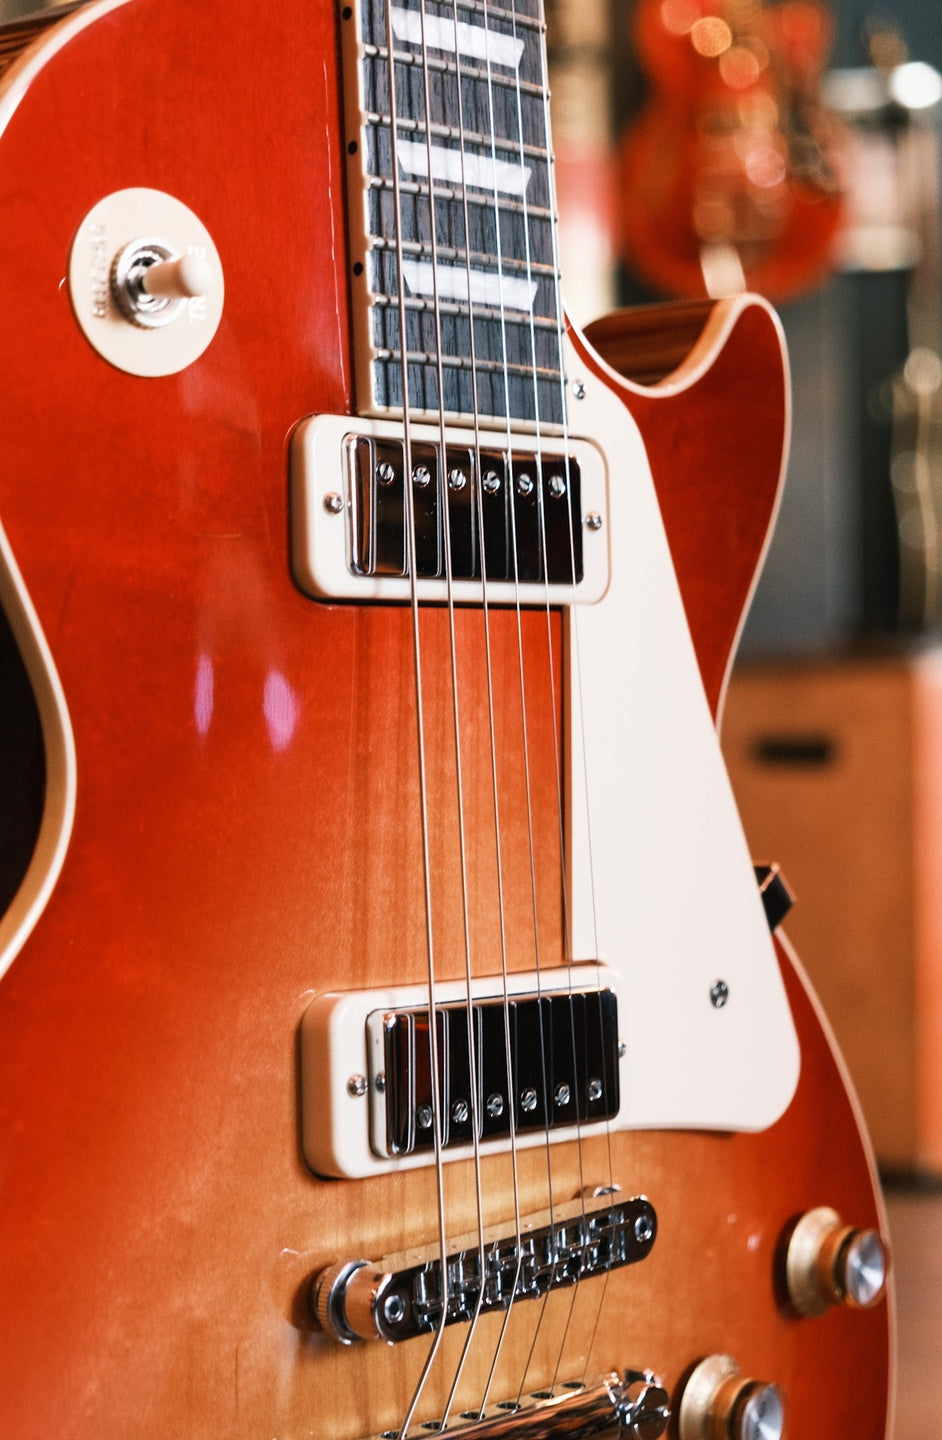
{"x": 368, "y": 1105}
{"x": 563, "y": 1069}
{"x": 401, "y": 1297}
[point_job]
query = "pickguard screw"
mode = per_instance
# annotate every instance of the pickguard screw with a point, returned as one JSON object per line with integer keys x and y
{"x": 578, "y": 389}
{"x": 333, "y": 503}
{"x": 719, "y": 994}
{"x": 593, "y": 520}
{"x": 357, "y": 1086}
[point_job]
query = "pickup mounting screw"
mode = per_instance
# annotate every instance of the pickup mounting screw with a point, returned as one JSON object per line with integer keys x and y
{"x": 593, "y": 520}
{"x": 719, "y": 994}
{"x": 333, "y": 503}
{"x": 578, "y": 389}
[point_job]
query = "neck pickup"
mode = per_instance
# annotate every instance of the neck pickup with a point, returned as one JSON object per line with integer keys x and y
{"x": 496, "y": 520}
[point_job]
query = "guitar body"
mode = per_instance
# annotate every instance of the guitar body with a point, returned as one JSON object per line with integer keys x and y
{"x": 231, "y": 826}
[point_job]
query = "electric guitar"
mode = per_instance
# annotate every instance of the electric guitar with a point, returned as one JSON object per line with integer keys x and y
{"x": 392, "y": 1038}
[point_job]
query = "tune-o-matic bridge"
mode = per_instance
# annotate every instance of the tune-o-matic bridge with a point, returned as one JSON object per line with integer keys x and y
{"x": 402, "y": 1296}
{"x": 632, "y": 1406}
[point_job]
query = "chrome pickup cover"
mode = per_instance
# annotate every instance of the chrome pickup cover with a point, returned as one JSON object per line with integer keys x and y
{"x": 563, "y": 1059}
{"x": 367, "y": 1101}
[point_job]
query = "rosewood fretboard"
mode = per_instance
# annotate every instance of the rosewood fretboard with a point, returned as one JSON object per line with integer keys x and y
{"x": 451, "y": 209}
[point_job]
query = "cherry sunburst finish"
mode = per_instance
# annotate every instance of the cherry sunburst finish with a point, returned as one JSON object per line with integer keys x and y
{"x": 232, "y": 822}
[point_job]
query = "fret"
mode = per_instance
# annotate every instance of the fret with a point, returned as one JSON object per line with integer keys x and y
{"x": 456, "y": 164}
{"x": 527, "y": 15}
{"x": 514, "y": 297}
{"x": 508, "y": 41}
{"x": 421, "y": 188}
{"x": 446, "y": 253}
{"x": 485, "y": 232}
{"x": 508, "y": 106}
{"x": 452, "y": 308}
{"x": 471, "y": 141}
{"x": 507, "y": 111}
{"x": 492, "y": 394}
{"x": 464, "y": 362}
{"x": 506, "y": 336}
{"x": 452, "y": 68}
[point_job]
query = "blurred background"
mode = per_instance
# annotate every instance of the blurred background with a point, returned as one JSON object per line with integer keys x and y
{"x": 793, "y": 147}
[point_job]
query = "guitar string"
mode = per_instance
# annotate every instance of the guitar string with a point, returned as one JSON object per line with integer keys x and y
{"x": 437, "y": 1089}
{"x": 543, "y": 562}
{"x": 490, "y": 129}
{"x": 571, "y": 620}
{"x": 444, "y": 482}
{"x": 577, "y": 701}
{"x": 577, "y": 694}
{"x": 412, "y": 533}
{"x": 412, "y": 567}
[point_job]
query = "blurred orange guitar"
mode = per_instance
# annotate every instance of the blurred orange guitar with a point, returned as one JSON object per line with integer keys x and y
{"x": 730, "y": 173}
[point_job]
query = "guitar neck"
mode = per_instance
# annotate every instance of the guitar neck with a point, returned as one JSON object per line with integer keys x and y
{"x": 452, "y": 215}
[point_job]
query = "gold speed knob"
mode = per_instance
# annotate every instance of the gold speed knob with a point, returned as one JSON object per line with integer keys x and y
{"x": 720, "y": 1403}
{"x": 829, "y": 1263}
